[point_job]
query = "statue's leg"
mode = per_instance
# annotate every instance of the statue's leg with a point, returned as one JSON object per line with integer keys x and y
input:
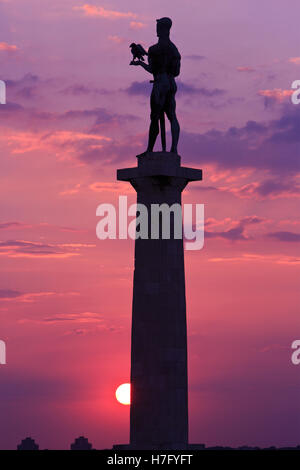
{"x": 163, "y": 130}
{"x": 153, "y": 133}
{"x": 154, "y": 125}
{"x": 171, "y": 114}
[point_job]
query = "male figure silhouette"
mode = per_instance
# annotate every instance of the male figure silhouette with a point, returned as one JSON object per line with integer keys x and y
{"x": 164, "y": 64}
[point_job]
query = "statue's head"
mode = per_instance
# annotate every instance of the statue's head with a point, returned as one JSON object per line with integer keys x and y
{"x": 163, "y": 26}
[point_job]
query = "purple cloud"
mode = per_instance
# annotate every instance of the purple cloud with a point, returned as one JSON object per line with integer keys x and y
{"x": 273, "y": 146}
{"x": 6, "y": 225}
{"x": 195, "y": 57}
{"x": 285, "y": 236}
{"x": 236, "y": 233}
{"x": 9, "y": 294}
{"x": 144, "y": 88}
{"x": 79, "y": 90}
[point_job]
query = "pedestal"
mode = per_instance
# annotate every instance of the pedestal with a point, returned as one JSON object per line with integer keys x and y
{"x": 159, "y": 387}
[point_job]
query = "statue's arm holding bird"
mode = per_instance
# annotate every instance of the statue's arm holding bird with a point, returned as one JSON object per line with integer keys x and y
{"x": 139, "y": 52}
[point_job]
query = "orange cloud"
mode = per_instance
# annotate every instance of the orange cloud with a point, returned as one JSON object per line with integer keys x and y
{"x": 13, "y": 254}
{"x": 86, "y": 322}
{"x": 85, "y": 317}
{"x": 31, "y": 297}
{"x": 28, "y": 249}
{"x": 245, "y": 69}
{"x": 71, "y": 191}
{"x": 4, "y": 46}
{"x": 295, "y": 60}
{"x": 137, "y": 25}
{"x": 100, "y": 12}
{"x": 252, "y": 257}
{"x": 101, "y": 187}
{"x": 277, "y": 94}
{"x": 117, "y": 39}
{"x": 24, "y": 142}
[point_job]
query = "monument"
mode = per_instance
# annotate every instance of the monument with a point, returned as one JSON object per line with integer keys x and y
{"x": 159, "y": 385}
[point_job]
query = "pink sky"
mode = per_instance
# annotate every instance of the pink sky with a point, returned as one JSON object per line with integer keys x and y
{"x": 75, "y": 113}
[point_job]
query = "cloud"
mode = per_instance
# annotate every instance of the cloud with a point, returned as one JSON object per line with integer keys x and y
{"x": 4, "y": 46}
{"x": 285, "y": 236}
{"x": 136, "y": 25}
{"x": 65, "y": 143}
{"x": 8, "y": 225}
{"x": 85, "y": 317}
{"x": 89, "y": 148}
{"x": 74, "y": 190}
{"x": 101, "y": 12}
{"x": 28, "y": 79}
{"x": 104, "y": 187}
{"x": 286, "y": 187}
{"x": 295, "y": 60}
{"x": 139, "y": 88}
{"x": 101, "y": 115}
{"x": 193, "y": 90}
{"x": 195, "y": 57}
{"x": 287, "y": 128}
{"x": 236, "y": 233}
{"x": 39, "y": 226}
{"x": 113, "y": 152}
{"x": 27, "y": 389}
{"x": 9, "y": 294}
{"x": 272, "y": 146}
{"x": 245, "y": 69}
{"x": 144, "y": 88}
{"x": 277, "y": 95}
{"x": 29, "y": 297}
{"x": 18, "y": 115}
{"x": 117, "y": 39}
{"x": 80, "y": 89}
{"x": 253, "y": 257}
{"x": 28, "y": 249}
{"x": 29, "y": 86}
{"x": 81, "y": 323}
{"x": 274, "y": 347}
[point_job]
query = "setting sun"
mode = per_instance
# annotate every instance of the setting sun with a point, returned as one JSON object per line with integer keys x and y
{"x": 123, "y": 394}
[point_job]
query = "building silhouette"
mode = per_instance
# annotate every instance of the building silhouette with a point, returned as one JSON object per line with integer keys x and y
{"x": 28, "y": 444}
{"x": 81, "y": 443}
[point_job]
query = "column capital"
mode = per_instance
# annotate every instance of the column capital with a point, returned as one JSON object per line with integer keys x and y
{"x": 159, "y": 164}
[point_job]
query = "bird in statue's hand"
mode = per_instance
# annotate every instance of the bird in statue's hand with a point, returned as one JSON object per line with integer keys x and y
{"x": 138, "y": 52}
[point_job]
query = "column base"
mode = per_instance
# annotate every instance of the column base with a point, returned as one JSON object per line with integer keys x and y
{"x": 179, "y": 448}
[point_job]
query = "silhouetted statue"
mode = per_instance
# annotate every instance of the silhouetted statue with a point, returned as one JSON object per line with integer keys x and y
{"x": 164, "y": 64}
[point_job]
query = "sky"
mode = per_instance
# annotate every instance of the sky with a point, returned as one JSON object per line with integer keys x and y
{"x": 75, "y": 113}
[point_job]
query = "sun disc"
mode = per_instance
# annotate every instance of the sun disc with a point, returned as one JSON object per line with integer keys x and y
{"x": 123, "y": 394}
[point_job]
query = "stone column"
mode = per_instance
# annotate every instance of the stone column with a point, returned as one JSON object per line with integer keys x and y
{"x": 159, "y": 389}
